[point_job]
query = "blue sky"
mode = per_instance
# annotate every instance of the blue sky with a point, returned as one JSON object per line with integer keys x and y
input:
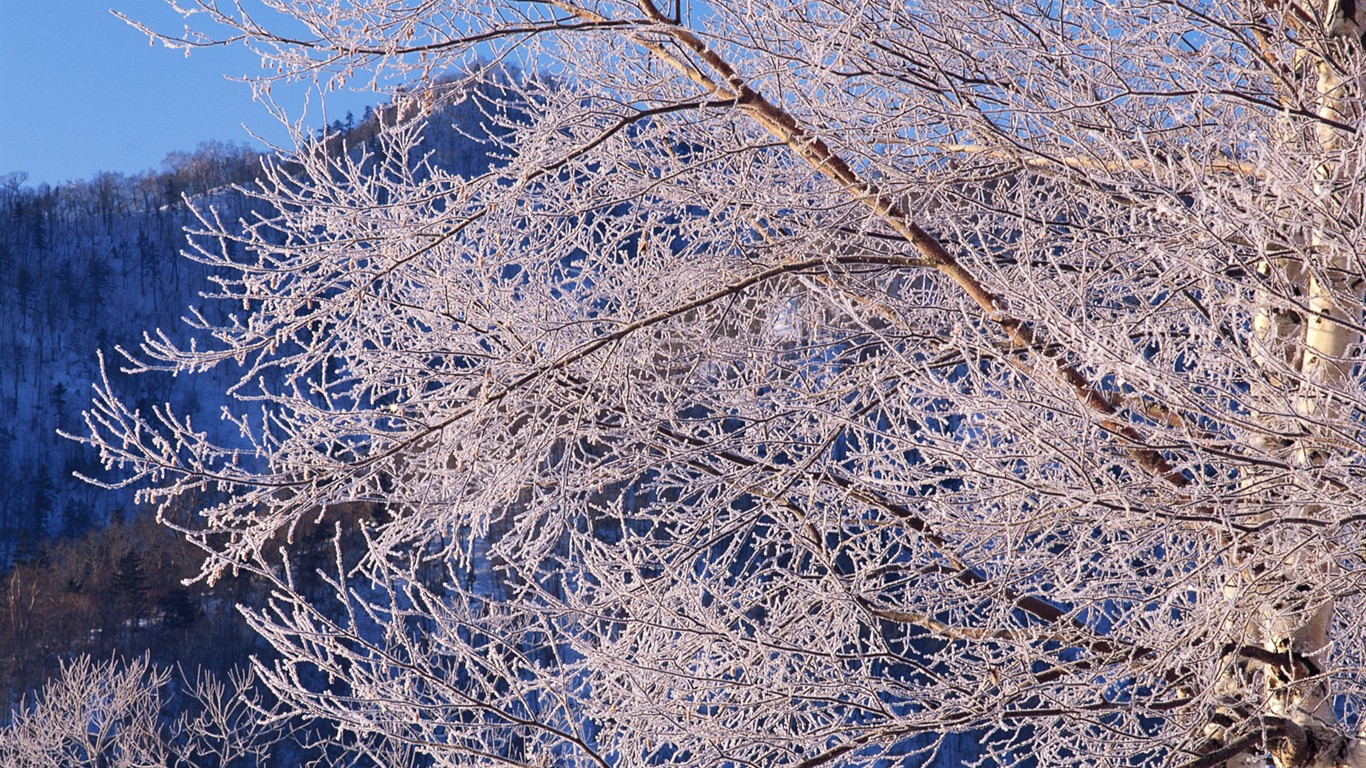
{"x": 82, "y": 92}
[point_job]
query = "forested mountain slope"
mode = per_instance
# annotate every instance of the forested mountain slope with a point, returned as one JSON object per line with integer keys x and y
{"x": 85, "y": 572}
{"x": 92, "y": 264}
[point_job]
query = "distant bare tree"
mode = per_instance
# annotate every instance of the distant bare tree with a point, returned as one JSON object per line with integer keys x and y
{"x": 805, "y": 384}
{"x": 94, "y": 715}
{"x": 113, "y": 715}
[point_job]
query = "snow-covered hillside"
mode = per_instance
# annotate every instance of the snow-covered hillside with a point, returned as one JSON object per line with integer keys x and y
{"x": 91, "y": 265}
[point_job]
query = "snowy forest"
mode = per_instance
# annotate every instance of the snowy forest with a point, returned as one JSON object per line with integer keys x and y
{"x": 866, "y": 384}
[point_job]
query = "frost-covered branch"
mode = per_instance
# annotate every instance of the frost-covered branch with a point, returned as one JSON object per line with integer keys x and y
{"x": 799, "y": 385}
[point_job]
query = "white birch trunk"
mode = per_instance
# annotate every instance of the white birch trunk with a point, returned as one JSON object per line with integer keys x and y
{"x": 1317, "y": 342}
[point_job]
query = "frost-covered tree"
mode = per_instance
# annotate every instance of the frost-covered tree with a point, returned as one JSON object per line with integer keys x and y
{"x": 115, "y": 715}
{"x": 803, "y": 384}
{"x": 91, "y": 715}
